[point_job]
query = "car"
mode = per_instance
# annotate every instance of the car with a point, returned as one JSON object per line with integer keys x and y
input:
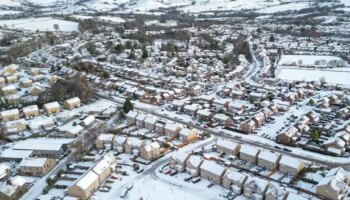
{"x": 227, "y": 194}
{"x": 188, "y": 178}
{"x": 205, "y": 126}
{"x": 232, "y": 196}
{"x": 277, "y": 147}
{"x": 167, "y": 172}
{"x": 114, "y": 177}
{"x": 124, "y": 193}
{"x": 107, "y": 186}
{"x": 174, "y": 173}
{"x": 140, "y": 170}
{"x": 130, "y": 186}
{"x": 103, "y": 189}
{"x": 196, "y": 180}
{"x": 288, "y": 150}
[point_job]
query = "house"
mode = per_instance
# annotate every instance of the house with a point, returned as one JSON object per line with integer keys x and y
{"x": 15, "y": 126}
{"x": 10, "y": 115}
{"x": 13, "y": 99}
{"x": 40, "y": 123}
{"x": 212, "y": 171}
{"x": 36, "y": 166}
{"x": 31, "y": 111}
{"x": 227, "y": 147}
{"x": 255, "y": 188}
{"x": 133, "y": 145}
{"x": 249, "y": 153}
{"x": 234, "y": 181}
{"x": 72, "y": 103}
{"x": 52, "y": 108}
{"x": 36, "y": 91}
{"x": 268, "y": 159}
{"x": 11, "y": 79}
{"x": 172, "y": 130}
{"x": 186, "y": 135}
{"x": 259, "y": 119}
{"x": 193, "y": 164}
{"x": 204, "y": 115}
{"x": 290, "y": 165}
{"x": 222, "y": 119}
{"x": 88, "y": 121}
{"x": 2, "y": 81}
{"x": 248, "y": 126}
{"x": 13, "y": 189}
{"x": 140, "y": 120}
{"x": 26, "y": 82}
{"x": 85, "y": 186}
{"x": 5, "y": 171}
{"x": 150, "y": 123}
{"x": 288, "y": 137}
{"x": 275, "y": 193}
{"x": 160, "y": 127}
{"x": 104, "y": 167}
{"x": 119, "y": 143}
{"x": 8, "y": 90}
{"x": 131, "y": 117}
{"x": 150, "y": 151}
{"x": 293, "y": 196}
{"x": 104, "y": 141}
{"x": 335, "y": 184}
{"x": 178, "y": 161}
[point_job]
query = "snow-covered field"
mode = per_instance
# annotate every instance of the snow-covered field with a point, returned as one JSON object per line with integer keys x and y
{"x": 330, "y": 76}
{"x": 305, "y": 59}
{"x": 41, "y": 24}
{"x": 103, "y": 18}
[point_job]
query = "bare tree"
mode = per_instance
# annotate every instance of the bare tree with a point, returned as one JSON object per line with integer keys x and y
{"x": 56, "y": 27}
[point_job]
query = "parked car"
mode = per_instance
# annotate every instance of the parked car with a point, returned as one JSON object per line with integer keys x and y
{"x": 130, "y": 186}
{"x": 188, "y": 178}
{"x": 140, "y": 170}
{"x": 104, "y": 189}
{"x": 196, "y": 180}
{"x": 167, "y": 172}
{"x": 174, "y": 173}
{"x": 114, "y": 177}
{"x": 124, "y": 193}
{"x": 227, "y": 194}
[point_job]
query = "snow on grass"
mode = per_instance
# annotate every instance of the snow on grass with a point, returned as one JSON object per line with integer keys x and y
{"x": 330, "y": 76}
{"x": 305, "y": 59}
{"x": 9, "y": 12}
{"x": 285, "y": 7}
{"x": 102, "y": 18}
{"x": 41, "y": 24}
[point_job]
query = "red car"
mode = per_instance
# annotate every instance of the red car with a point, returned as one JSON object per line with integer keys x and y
{"x": 114, "y": 177}
{"x": 167, "y": 172}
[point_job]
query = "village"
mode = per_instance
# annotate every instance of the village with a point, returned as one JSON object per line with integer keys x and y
{"x": 165, "y": 104}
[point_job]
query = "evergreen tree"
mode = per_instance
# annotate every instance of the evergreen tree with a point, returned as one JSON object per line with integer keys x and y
{"x": 127, "y": 105}
{"x": 272, "y": 38}
{"x": 144, "y": 54}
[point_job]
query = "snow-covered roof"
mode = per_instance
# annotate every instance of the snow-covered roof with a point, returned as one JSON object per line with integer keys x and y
{"x": 33, "y": 162}
{"x": 171, "y": 126}
{"x": 106, "y": 137}
{"x": 226, "y": 144}
{"x": 73, "y": 100}
{"x": 30, "y": 108}
{"x": 42, "y": 144}
{"x": 249, "y": 150}
{"x": 85, "y": 181}
{"x": 88, "y": 120}
{"x": 212, "y": 167}
{"x": 290, "y": 162}
{"x": 10, "y": 153}
{"x": 132, "y": 114}
{"x": 9, "y": 112}
{"x": 268, "y": 156}
{"x": 257, "y": 184}
{"x": 150, "y": 120}
{"x": 293, "y": 196}
{"x": 235, "y": 176}
{"x": 52, "y": 105}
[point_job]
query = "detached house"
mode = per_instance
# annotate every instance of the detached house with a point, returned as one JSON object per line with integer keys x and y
{"x": 193, "y": 165}
{"x": 187, "y": 135}
{"x": 31, "y": 111}
{"x": 131, "y": 117}
{"x": 9, "y": 115}
{"x": 36, "y": 166}
{"x": 9, "y": 89}
{"x": 268, "y": 159}
{"x": 52, "y": 108}
{"x": 104, "y": 141}
{"x": 172, "y": 130}
{"x": 72, "y": 103}
{"x": 178, "y": 161}
{"x": 255, "y": 188}
{"x": 234, "y": 181}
